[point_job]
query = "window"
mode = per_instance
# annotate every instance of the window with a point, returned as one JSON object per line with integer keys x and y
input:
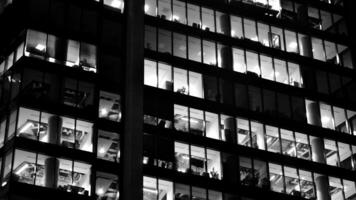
{"x": 281, "y": 73}
{"x": 243, "y": 132}
{"x": 118, "y": 4}
{"x": 213, "y": 164}
{"x": 195, "y": 84}
{"x": 150, "y": 72}
{"x": 209, "y": 52}
{"x": 110, "y": 106}
{"x": 108, "y": 146}
{"x": 36, "y": 44}
{"x": 165, "y": 77}
{"x": 295, "y": 78}
{"x": 236, "y": 27}
{"x": 107, "y": 186}
{"x": 276, "y": 38}
{"x": 181, "y": 118}
{"x": 87, "y": 57}
{"x": 182, "y": 157}
{"x": 291, "y": 41}
{"x": 150, "y": 38}
{"x": 287, "y": 141}
{"x": 179, "y": 45}
{"x": 239, "y": 60}
{"x": 196, "y": 122}
{"x": 246, "y": 173}
{"x": 222, "y": 23}
{"x": 252, "y": 63}
{"x": 263, "y": 30}
{"x": 180, "y": 81}
{"x": 208, "y": 21}
{"x": 164, "y": 41}
{"x": 250, "y": 29}
{"x": 165, "y": 9}
{"x": 197, "y": 161}
{"x": 276, "y": 177}
{"x": 212, "y": 125}
{"x": 267, "y": 68}
{"x": 193, "y": 15}
{"x": 150, "y": 188}
{"x": 73, "y": 53}
{"x": 331, "y": 153}
{"x": 307, "y": 188}
{"x": 318, "y": 49}
{"x": 272, "y": 139}
{"x": 194, "y": 49}
{"x": 254, "y": 95}
{"x": 150, "y": 7}
{"x": 302, "y": 146}
{"x": 179, "y": 11}
{"x": 327, "y": 120}
{"x": 292, "y": 181}
{"x": 24, "y": 169}
{"x": 257, "y": 135}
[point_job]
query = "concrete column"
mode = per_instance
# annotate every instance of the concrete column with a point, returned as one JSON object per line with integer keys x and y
{"x": 322, "y": 187}
{"x": 306, "y": 44}
{"x": 314, "y": 117}
{"x": 225, "y": 24}
{"x": 318, "y": 149}
{"x": 132, "y": 150}
{"x": 51, "y": 172}
{"x": 226, "y": 58}
{"x": 55, "y": 124}
{"x": 230, "y": 130}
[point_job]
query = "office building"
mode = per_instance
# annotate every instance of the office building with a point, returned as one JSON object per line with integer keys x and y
{"x": 177, "y": 100}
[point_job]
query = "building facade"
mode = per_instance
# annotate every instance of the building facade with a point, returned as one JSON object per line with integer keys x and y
{"x": 177, "y": 100}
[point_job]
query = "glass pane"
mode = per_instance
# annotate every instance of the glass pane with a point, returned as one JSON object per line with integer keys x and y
{"x": 108, "y": 146}
{"x": 165, "y": 76}
{"x": 165, "y": 9}
{"x": 179, "y": 45}
{"x": 181, "y": 118}
{"x": 107, "y": 186}
{"x": 195, "y": 84}
{"x": 236, "y": 27}
{"x": 180, "y": 81}
{"x": 179, "y": 11}
{"x": 194, "y": 49}
{"x": 182, "y": 157}
{"x": 164, "y": 41}
{"x": 276, "y": 177}
{"x": 150, "y": 73}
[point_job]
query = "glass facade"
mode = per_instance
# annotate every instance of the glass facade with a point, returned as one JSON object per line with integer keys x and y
{"x": 241, "y": 100}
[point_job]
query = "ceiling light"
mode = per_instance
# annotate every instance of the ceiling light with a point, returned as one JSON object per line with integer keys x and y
{"x": 40, "y": 47}
{"x": 18, "y": 172}
{"x": 104, "y": 112}
{"x": 100, "y": 191}
{"x": 102, "y": 150}
{"x": 147, "y": 8}
{"x": 293, "y": 45}
{"x": 116, "y": 3}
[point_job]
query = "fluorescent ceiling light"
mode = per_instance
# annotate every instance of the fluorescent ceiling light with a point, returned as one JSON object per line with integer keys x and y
{"x": 40, "y": 47}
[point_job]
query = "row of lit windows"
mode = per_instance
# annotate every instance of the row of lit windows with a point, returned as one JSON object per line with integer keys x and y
{"x": 74, "y": 133}
{"x": 116, "y": 4}
{"x": 241, "y": 60}
{"x": 73, "y": 176}
{"x": 206, "y": 162}
{"x": 176, "y": 11}
{"x": 265, "y": 34}
{"x": 317, "y": 18}
{"x": 254, "y": 134}
{"x": 54, "y": 49}
{"x": 254, "y": 98}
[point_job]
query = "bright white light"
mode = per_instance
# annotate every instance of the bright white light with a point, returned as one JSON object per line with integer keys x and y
{"x": 325, "y": 119}
{"x": 51, "y": 60}
{"x": 293, "y": 45}
{"x": 277, "y": 74}
{"x": 116, "y": 3}
{"x": 147, "y": 8}
{"x": 18, "y": 172}
{"x": 254, "y": 38}
{"x": 150, "y": 190}
{"x": 232, "y": 33}
{"x": 4, "y": 183}
{"x": 102, "y": 150}
{"x": 40, "y": 47}
{"x": 27, "y": 126}
{"x": 175, "y": 17}
{"x": 100, "y": 191}
{"x": 104, "y": 112}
